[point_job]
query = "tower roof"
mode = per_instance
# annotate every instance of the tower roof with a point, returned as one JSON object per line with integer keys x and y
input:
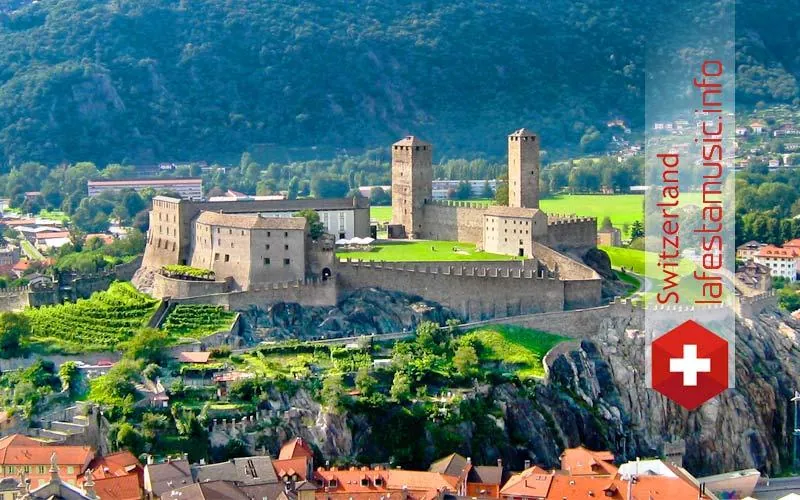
{"x": 411, "y": 140}
{"x": 523, "y": 132}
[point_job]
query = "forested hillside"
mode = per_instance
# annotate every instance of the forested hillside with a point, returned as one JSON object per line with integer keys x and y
{"x": 156, "y": 80}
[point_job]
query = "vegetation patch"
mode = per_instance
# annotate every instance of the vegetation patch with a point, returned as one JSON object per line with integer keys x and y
{"x": 98, "y": 323}
{"x": 183, "y": 272}
{"x": 424, "y": 250}
{"x": 521, "y": 348}
{"x": 197, "y": 321}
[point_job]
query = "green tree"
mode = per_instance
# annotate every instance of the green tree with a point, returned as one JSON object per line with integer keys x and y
{"x": 501, "y": 193}
{"x": 401, "y": 387}
{"x": 14, "y": 328}
{"x": 365, "y": 382}
{"x": 606, "y": 223}
{"x": 128, "y": 438}
{"x": 637, "y": 230}
{"x": 68, "y": 374}
{"x": 332, "y": 391}
{"x": 315, "y": 226}
{"x": 148, "y": 345}
{"x": 293, "y": 188}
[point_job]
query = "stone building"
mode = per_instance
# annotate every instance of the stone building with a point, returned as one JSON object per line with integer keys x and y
{"x": 507, "y": 230}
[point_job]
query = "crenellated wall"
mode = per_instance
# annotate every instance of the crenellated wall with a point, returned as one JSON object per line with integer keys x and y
{"x": 453, "y": 221}
{"x": 306, "y": 293}
{"x": 475, "y": 290}
{"x": 164, "y": 286}
{"x": 567, "y": 232}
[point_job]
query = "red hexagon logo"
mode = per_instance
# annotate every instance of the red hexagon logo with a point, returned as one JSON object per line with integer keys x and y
{"x": 690, "y": 364}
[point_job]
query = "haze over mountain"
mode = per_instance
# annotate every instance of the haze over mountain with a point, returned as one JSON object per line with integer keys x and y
{"x": 154, "y": 80}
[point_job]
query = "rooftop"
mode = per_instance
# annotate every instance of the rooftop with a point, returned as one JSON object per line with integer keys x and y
{"x": 411, "y": 140}
{"x": 251, "y": 221}
{"x": 503, "y": 211}
{"x": 147, "y": 182}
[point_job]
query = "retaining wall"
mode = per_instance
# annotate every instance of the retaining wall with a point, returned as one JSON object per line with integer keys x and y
{"x": 306, "y": 293}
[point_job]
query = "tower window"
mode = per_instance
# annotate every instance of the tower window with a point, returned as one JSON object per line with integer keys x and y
{"x": 286, "y": 262}
{"x": 266, "y": 261}
{"x": 227, "y": 258}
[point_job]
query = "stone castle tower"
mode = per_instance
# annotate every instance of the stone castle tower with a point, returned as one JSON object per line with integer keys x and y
{"x": 523, "y": 169}
{"x": 412, "y": 176}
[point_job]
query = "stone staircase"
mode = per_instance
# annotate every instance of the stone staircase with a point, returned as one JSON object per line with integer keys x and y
{"x": 68, "y": 426}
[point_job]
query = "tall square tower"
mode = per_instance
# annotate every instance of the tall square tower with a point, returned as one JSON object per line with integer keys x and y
{"x": 412, "y": 175}
{"x": 523, "y": 169}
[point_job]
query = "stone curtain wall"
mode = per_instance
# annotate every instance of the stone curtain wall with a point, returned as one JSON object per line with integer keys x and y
{"x": 453, "y": 221}
{"x": 164, "y": 286}
{"x": 582, "y": 285}
{"x": 14, "y": 299}
{"x": 567, "y": 232}
{"x": 305, "y": 293}
{"x": 475, "y": 291}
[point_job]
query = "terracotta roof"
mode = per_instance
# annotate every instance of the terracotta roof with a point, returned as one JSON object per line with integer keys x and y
{"x": 533, "y": 482}
{"x": 251, "y": 221}
{"x": 105, "y": 238}
{"x": 22, "y": 265}
{"x": 147, "y": 182}
{"x": 119, "y": 488}
{"x": 776, "y": 252}
{"x": 421, "y": 484}
{"x": 583, "y": 461}
{"x": 795, "y": 243}
{"x": 117, "y": 464}
{"x": 17, "y": 449}
{"x": 194, "y": 357}
{"x": 295, "y": 448}
{"x": 502, "y": 211}
{"x": 411, "y": 140}
{"x": 523, "y": 132}
{"x": 289, "y": 466}
{"x": 51, "y": 235}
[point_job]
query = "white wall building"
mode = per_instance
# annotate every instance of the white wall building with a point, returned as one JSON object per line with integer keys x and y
{"x": 782, "y": 262}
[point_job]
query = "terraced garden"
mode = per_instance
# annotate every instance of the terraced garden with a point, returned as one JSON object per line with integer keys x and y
{"x": 520, "y": 349}
{"x": 197, "y": 321}
{"x": 98, "y": 323}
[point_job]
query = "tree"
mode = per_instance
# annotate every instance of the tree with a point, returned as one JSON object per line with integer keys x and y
{"x": 463, "y": 191}
{"x": 466, "y": 360}
{"x": 293, "y": 188}
{"x": 379, "y": 196}
{"x": 365, "y": 382}
{"x": 315, "y": 226}
{"x": 68, "y": 374}
{"x": 128, "y": 438}
{"x": 14, "y": 328}
{"x": 148, "y": 344}
{"x": 487, "y": 191}
{"x": 637, "y": 230}
{"x": 332, "y": 391}
{"x": 327, "y": 186}
{"x": 606, "y": 223}
{"x": 401, "y": 387}
{"x": 501, "y": 193}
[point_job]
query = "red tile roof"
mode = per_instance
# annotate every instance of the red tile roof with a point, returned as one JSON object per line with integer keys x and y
{"x": 776, "y": 252}
{"x": 17, "y": 449}
{"x": 533, "y": 482}
{"x": 117, "y": 464}
{"x": 362, "y": 483}
{"x": 290, "y": 466}
{"x": 583, "y": 461}
{"x": 194, "y": 357}
{"x": 119, "y": 488}
{"x": 795, "y": 243}
{"x": 295, "y": 448}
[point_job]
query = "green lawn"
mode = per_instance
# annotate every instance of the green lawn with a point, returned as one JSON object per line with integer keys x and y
{"x": 423, "y": 250}
{"x": 634, "y": 260}
{"x": 30, "y": 250}
{"x": 521, "y": 348}
{"x": 381, "y": 214}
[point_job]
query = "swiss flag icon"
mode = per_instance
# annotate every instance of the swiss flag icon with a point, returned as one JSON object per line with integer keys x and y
{"x": 690, "y": 364}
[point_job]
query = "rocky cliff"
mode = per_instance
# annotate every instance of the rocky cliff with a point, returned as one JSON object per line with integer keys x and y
{"x": 595, "y": 396}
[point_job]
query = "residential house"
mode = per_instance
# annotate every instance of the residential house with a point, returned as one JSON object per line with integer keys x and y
{"x": 118, "y": 476}
{"x": 254, "y": 476}
{"x": 785, "y": 130}
{"x": 581, "y": 460}
{"x": 212, "y": 490}
{"x": 473, "y": 481}
{"x": 782, "y": 262}
{"x": 748, "y": 250}
{"x": 365, "y": 482}
{"x": 295, "y": 461}
{"x": 757, "y": 126}
{"x": 10, "y": 488}
{"x": 56, "y": 489}
{"x": 23, "y": 455}
{"x": 754, "y": 276}
{"x": 160, "y": 478}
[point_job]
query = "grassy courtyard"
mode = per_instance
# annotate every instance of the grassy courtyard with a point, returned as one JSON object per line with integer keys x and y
{"x": 423, "y": 250}
{"x": 519, "y": 349}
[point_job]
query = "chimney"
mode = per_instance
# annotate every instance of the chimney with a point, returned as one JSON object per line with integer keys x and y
{"x": 527, "y": 464}
{"x": 469, "y": 460}
{"x": 500, "y": 462}
{"x": 150, "y": 460}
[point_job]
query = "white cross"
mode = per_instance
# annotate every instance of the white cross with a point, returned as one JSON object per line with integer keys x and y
{"x": 690, "y": 365}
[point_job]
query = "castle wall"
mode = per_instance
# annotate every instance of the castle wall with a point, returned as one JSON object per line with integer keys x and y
{"x": 582, "y": 285}
{"x": 306, "y": 293}
{"x": 453, "y": 221}
{"x": 571, "y": 232}
{"x": 14, "y": 299}
{"x": 475, "y": 291}
{"x": 164, "y": 286}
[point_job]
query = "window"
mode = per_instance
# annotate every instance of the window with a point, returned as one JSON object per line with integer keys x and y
{"x": 286, "y": 247}
{"x": 27, "y": 469}
{"x": 378, "y": 481}
{"x": 216, "y": 256}
{"x": 333, "y": 483}
{"x": 267, "y": 247}
{"x": 41, "y": 469}
{"x": 230, "y": 231}
{"x": 286, "y": 262}
{"x": 364, "y": 481}
{"x": 70, "y": 470}
{"x": 269, "y": 233}
{"x": 266, "y": 261}
{"x": 242, "y": 233}
{"x": 286, "y": 234}
{"x": 227, "y": 258}
{"x": 219, "y": 242}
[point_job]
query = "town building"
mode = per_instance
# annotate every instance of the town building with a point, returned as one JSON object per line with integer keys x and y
{"x": 754, "y": 276}
{"x": 23, "y": 455}
{"x": 748, "y": 250}
{"x": 160, "y": 478}
{"x": 609, "y": 237}
{"x": 782, "y": 262}
{"x": 476, "y": 481}
{"x": 186, "y": 188}
{"x": 440, "y": 189}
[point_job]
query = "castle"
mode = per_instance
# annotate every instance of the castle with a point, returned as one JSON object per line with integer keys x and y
{"x": 509, "y": 230}
{"x": 260, "y": 253}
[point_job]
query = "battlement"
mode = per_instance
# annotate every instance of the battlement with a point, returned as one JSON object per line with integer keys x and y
{"x": 458, "y": 203}
{"x": 473, "y": 271}
{"x": 556, "y": 219}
